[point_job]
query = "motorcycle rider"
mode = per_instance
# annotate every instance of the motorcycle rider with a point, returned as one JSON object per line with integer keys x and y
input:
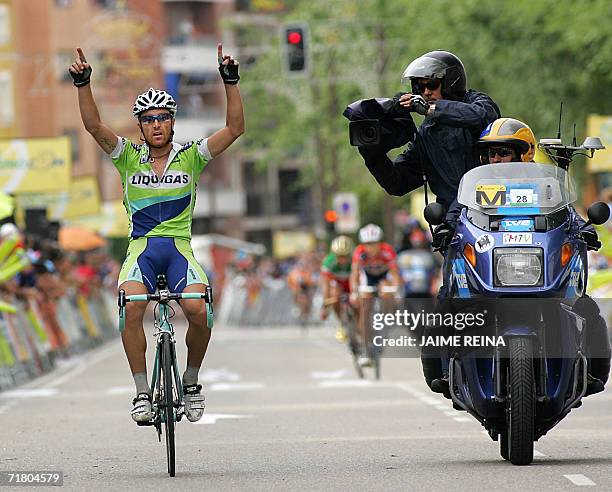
{"x": 454, "y": 119}
{"x": 511, "y": 140}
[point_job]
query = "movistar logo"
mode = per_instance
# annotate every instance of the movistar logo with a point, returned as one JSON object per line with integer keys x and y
{"x": 172, "y": 179}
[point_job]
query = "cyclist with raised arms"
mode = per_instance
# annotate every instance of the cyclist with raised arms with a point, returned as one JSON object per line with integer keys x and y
{"x": 159, "y": 179}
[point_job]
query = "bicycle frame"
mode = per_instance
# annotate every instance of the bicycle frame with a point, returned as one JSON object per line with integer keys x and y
{"x": 162, "y": 325}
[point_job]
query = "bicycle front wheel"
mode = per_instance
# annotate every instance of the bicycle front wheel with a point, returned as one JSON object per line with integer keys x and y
{"x": 167, "y": 363}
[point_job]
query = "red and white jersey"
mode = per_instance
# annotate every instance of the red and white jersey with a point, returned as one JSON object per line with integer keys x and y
{"x": 377, "y": 264}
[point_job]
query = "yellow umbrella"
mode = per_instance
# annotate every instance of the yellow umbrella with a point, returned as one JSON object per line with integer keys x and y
{"x": 7, "y": 205}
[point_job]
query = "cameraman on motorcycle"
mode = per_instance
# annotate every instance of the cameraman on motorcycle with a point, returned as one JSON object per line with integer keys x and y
{"x": 510, "y": 140}
{"x": 454, "y": 118}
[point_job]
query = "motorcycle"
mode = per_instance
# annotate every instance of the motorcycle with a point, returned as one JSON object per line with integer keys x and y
{"x": 518, "y": 252}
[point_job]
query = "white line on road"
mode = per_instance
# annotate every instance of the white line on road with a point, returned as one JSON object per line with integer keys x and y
{"x": 235, "y": 386}
{"x": 211, "y": 418}
{"x": 579, "y": 480}
{"x": 29, "y": 393}
{"x": 346, "y": 383}
{"x": 538, "y": 454}
{"x": 339, "y": 374}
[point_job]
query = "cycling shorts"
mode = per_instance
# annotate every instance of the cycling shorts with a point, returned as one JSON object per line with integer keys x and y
{"x": 147, "y": 257}
{"x": 373, "y": 280}
{"x": 343, "y": 283}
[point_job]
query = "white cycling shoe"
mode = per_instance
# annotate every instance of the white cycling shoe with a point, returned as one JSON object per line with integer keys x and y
{"x": 142, "y": 411}
{"x": 194, "y": 402}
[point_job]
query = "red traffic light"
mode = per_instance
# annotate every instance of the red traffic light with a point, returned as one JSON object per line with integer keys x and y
{"x": 331, "y": 216}
{"x": 294, "y": 37}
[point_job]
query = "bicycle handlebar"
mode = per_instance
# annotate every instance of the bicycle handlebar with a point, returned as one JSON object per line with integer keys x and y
{"x": 164, "y": 296}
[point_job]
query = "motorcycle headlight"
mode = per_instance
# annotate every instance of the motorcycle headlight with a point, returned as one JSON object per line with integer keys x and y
{"x": 518, "y": 267}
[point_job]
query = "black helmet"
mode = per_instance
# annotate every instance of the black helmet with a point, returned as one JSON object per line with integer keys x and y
{"x": 439, "y": 65}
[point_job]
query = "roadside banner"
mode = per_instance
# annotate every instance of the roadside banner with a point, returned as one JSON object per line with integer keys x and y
{"x": 35, "y": 165}
{"x": 600, "y": 126}
{"x": 81, "y": 198}
{"x": 111, "y": 221}
{"x": 291, "y": 243}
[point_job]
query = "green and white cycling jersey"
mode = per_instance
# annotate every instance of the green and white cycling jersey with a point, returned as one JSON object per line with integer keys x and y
{"x": 160, "y": 207}
{"x": 331, "y": 268}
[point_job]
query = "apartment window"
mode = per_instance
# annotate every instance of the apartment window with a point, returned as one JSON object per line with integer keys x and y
{"x": 7, "y": 108}
{"x": 290, "y": 191}
{"x": 63, "y": 60}
{"x": 5, "y": 25}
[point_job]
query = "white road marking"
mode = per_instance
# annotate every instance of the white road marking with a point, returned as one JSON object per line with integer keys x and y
{"x": 346, "y": 383}
{"x": 339, "y": 374}
{"x": 462, "y": 419}
{"x": 218, "y": 375}
{"x": 120, "y": 390}
{"x": 538, "y": 454}
{"x": 579, "y": 480}
{"x": 234, "y": 386}
{"x": 29, "y": 393}
{"x": 211, "y": 418}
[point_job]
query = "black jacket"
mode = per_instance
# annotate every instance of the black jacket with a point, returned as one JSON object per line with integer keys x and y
{"x": 448, "y": 138}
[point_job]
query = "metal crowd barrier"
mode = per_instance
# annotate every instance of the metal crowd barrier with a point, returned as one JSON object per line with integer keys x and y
{"x": 271, "y": 306}
{"x": 34, "y": 334}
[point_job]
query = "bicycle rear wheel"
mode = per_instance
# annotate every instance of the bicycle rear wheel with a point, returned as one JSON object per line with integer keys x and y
{"x": 168, "y": 400}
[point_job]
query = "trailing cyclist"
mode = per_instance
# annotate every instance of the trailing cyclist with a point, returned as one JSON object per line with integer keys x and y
{"x": 373, "y": 270}
{"x": 159, "y": 179}
{"x": 335, "y": 275}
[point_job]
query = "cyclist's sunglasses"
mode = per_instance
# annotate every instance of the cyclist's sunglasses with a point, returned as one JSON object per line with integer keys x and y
{"x": 432, "y": 85}
{"x": 149, "y": 119}
{"x": 500, "y": 151}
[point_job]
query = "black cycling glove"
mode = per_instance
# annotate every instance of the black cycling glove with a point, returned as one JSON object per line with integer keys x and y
{"x": 419, "y": 105}
{"x": 81, "y": 79}
{"x": 591, "y": 239}
{"x": 442, "y": 237}
{"x": 229, "y": 73}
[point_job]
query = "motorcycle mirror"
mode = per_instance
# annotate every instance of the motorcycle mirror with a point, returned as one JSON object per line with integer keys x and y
{"x": 598, "y": 213}
{"x": 593, "y": 143}
{"x": 434, "y": 213}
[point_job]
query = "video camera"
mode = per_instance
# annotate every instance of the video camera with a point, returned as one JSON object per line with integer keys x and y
{"x": 380, "y": 121}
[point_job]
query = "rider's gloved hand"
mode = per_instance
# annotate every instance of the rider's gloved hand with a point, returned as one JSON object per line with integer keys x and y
{"x": 80, "y": 70}
{"x": 419, "y": 105}
{"x": 228, "y": 67}
{"x": 442, "y": 236}
{"x": 591, "y": 239}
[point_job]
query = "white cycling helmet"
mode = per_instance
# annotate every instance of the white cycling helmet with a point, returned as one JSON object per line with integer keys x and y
{"x": 7, "y": 230}
{"x": 154, "y": 99}
{"x": 370, "y": 234}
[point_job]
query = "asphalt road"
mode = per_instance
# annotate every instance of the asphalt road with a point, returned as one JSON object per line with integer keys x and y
{"x": 285, "y": 412}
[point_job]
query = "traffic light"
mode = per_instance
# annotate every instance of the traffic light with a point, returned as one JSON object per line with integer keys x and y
{"x": 331, "y": 217}
{"x": 295, "y": 48}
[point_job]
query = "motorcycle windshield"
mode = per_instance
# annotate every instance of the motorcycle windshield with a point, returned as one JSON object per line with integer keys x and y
{"x": 517, "y": 188}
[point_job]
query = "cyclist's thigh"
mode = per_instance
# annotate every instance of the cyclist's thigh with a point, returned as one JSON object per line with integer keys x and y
{"x": 186, "y": 275}
{"x": 138, "y": 267}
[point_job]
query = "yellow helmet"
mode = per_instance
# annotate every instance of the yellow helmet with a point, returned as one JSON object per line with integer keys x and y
{"x": 508, "y": 131}
{"x": 342, "y": 246}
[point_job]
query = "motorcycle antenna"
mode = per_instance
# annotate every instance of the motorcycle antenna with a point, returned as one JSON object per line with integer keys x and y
{"x": 560, "y": 116}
